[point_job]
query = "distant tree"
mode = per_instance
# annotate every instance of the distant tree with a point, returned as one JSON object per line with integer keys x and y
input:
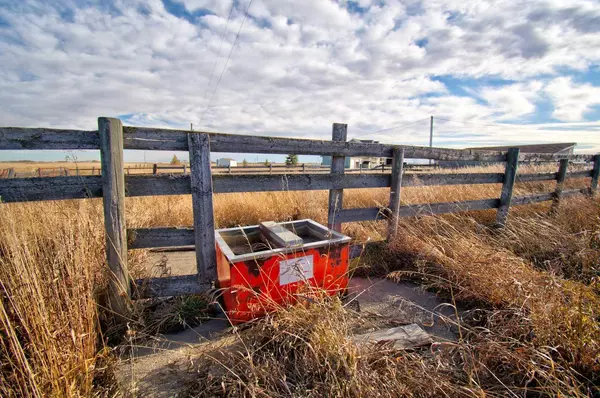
{"x": 175, "y": 160}
{"x": 267, "y": 163}
{"x": 245, "y": 163}
{"x": 291, "y": 160}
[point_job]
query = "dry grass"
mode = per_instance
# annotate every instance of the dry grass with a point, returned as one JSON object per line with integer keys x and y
{"x": 541, "y": 328}
{"x": 50, "y": 270}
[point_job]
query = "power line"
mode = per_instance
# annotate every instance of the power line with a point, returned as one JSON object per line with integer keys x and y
{"x": 219, "y": 52}
{"x": 480, "y": 124}
{"x": 227, "y": 61}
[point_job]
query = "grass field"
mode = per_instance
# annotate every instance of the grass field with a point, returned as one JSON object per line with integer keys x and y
{"x": 534, "y": 285}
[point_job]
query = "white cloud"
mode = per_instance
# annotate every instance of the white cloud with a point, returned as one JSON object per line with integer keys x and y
{"x": 297, "y": 66}
{"x": 571, "y": 100}
{"x": 513, "y": 101}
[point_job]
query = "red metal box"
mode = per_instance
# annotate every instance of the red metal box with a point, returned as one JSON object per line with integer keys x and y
{"x": 257, "y": 277}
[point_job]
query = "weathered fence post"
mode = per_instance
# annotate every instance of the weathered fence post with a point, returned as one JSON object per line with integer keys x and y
{"x": 303, "y": 168}
{"x": 93, "y": 169}
{"x": 395, "y": 189}
{"x": 11, "y": 173}
{"x": 113, "y": 197}
{"x": 360, "y": 168}
{"x": 155, "y": 169}
{"x": 228, "y": 167}
{"x": 202, "y": 203}
{"x": 595, "y": 175}
{"x": 184, "y": 169}
{"x": 510, "y": 174}
{"x": 270, "y": 168}
{"x": 39, "y": 171}
{"x": 336, "y": 196}
{"x": 560, "y": 181}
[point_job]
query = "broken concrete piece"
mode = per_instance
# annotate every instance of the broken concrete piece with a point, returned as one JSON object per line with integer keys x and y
{"x": 404, "y": 337}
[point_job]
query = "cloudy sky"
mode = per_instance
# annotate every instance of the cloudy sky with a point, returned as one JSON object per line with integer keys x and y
{"x": 490, "y": 72}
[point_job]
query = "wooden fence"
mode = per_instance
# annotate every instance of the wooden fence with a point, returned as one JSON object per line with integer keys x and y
{"x": 113, "y": 185}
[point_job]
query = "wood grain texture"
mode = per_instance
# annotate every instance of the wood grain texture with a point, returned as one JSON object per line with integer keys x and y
{"x": 336, "y": 196}
{"x": 144, "y": 238}
{"x": 579, "y": 174}
{"x": 510, "y": 174}
{"x": 395, "y": 192}
{"x": 143, "y": 138}
{"x": 175, "y": 140}
{"x": 202, "y": 204}
{"x": 113, "y": 190}
{"x": 376, "y": 213}
{"x": 44, "y": 138}
{"x": 50, "y": 188}
{"x": 560, "y": 181}
{"x": 79, "y": 187}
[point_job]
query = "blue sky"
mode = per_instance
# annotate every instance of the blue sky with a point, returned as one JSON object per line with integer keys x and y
{"x": 490, "y": 72}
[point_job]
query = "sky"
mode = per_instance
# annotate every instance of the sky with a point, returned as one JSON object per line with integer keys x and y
{"x": 489, "y": 72}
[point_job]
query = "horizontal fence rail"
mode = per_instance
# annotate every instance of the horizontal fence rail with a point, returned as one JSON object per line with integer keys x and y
{"x": 81, "y": 187}
{"x": 143, "y": 138}
{"x": 115, "y": 182}
{"x": 58, "y": 188}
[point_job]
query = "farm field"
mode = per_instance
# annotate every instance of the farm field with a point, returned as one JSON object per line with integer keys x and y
{"x": 529, "y": 295}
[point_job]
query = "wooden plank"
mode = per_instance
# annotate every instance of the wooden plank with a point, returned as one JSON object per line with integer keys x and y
{"x": 158, "y": 185}
{"x": 415, "y": 180}
{"x": 375, "y": 213}
{"x": 544, "y": 197}
{"x": 182, "y": 285}
{"x": 55, "y": 188}
{"x": 529, "y": 199}
{"x": 45, "y": 138}
{"x": 143, "y": 138}
{"x": 560, "y": 181}
{"x": 278, "y": 235}
{"x": 399, "y": 338}
{"x": 50, "y": 188}
{"x": 336, "y": 196}
{"x": 297, "y": 182}
{"x": 533, "y": 177}
{"x": 552, "y": 157}
{"x": 579, "y": 174}
{"x": 595, "y": 175}
{"x": 510, "y": 173}
{"x": 395, "y": 191}
{"x": 80, "y": 187}
{"x": 113, "y": 188}
{"x": 174, "y": 140}
{"x": 202, "y": 204}
{"x": 144, "y": 238}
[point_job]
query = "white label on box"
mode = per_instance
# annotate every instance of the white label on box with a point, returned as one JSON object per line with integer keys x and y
{"x": 295, "y": 269}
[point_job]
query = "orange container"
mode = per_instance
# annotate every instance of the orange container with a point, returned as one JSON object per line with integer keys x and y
{"x": 256, "y": 277}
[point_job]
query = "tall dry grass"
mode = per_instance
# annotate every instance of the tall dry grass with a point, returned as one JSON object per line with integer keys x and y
{"x": 52, "y": 274}
{"x": 51, "y": 267}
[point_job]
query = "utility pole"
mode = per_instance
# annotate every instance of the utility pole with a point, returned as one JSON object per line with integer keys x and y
{"x": 430, "y": 136}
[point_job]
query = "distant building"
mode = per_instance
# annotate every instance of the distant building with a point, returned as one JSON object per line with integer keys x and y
{"x": 557, "y": 148}
{"x": 364, "y": 162}
{"x": 226, "y": 162}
